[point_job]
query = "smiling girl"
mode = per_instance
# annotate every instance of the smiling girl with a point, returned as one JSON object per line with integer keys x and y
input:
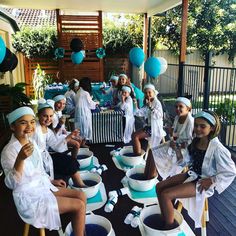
{"x": 37, "y": 200}
{"x": 163, "y": 158}
{"x": 211, "y": 162}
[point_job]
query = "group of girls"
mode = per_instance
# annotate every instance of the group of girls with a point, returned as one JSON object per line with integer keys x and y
{"x": 34, "y": 174}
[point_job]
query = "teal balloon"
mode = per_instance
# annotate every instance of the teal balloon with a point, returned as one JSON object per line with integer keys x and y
{"x": 2, "y": 50}
{"x": 152, "y": 67}
{"x": 136, "y": 56}
{"x": 77, "y": 57}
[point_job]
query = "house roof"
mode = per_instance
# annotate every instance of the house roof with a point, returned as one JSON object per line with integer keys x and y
{"x": 151, "y": 7}
{"x": 8, "y": 17}
{"x": 33, "y": 17}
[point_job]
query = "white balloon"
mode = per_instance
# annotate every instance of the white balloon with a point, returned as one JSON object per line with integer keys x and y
{"x": 164, "y": 64}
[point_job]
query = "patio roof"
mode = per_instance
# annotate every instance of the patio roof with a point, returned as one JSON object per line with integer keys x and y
{"x": 151, "y": 7}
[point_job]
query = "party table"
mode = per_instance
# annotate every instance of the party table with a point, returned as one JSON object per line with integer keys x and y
{"x": 55, "y": 89}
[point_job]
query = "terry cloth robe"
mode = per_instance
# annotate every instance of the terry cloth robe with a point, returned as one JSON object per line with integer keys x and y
{"x": 165, "y": 157}
{"x": 127, "y": 107}
{"x": 32, "y": 191}
{"x": 70, "y": 101}
{"x": 218, "y": 164}
{"x": 62, "y": 131}
{"x": 83, "y": 114}
{"x": 44, "y": 141}
{"x": 155, "y": 114}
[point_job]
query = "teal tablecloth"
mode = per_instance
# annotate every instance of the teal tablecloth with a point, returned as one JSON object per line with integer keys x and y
{"x": 96, "y": 92}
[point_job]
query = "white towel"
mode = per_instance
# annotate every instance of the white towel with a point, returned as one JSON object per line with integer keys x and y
{"x": 110, "y": 204}
{"x": 135, "y": 211}
{"x": 119, "y": 192}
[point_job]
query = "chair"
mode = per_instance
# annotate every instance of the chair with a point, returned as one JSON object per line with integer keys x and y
{"x": 26, "y": 230}
{"x": 205, "y": 216}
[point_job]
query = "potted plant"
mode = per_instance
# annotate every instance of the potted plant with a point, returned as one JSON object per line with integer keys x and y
{"x": 227, "y": 112}
{"x": 16, "y": 95}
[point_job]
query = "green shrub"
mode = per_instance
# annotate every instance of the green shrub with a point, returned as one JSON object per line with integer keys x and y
{"x": 36, "y": 42}
{"x": 226, "y": 111}
{"x": 17, "y": 94}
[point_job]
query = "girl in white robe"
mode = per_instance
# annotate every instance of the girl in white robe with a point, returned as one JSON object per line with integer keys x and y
{"x": 212, "y": 166}
{"x": 59, "y": 120}
{"x": 153, "y": 113}
{"x": 70, "y": 97}
{"x": 163, "y": 159}
{"x": 57, "y": 164}
{"x": 38, "y": 202}
{"x": 58, "y": 123}
{"x": 112, "y": 90}
{"x": 127, "y": 106}
{"x": 84, "y": 105}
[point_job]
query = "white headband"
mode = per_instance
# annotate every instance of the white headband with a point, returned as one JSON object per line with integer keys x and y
{"x": 152, "y": 87}
{"x": 207, "y": 116}
{"x": 42, "y": 103}
{"x": 18, "y": 113}
{"x": 114, "y": 77}
{"x": 126, "y": 88}
{"x": 59, "y": 98}
{"x": 123, "y": 75}
{"x": 184, "y": 100}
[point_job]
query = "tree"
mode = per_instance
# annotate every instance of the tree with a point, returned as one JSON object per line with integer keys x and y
{"x": 121, "y": 34}
{"x": 211, "y": 27}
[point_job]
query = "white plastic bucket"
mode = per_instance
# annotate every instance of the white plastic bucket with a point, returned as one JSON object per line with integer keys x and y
{"x": 131, "y": 161}
{"x": 148, "y": 231}
{"x": 92, "y": 190}
{"x": 86, "y": 161}
{"x": 140, "y": 185}
{"x": 94, "y": 219}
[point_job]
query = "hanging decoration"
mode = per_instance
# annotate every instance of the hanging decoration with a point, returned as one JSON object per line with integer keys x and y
{"x": 100, "y": 53}
{"x": 59, "y": 53}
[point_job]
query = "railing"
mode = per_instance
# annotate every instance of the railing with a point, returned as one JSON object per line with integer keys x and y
{"x": 221, "y": 94}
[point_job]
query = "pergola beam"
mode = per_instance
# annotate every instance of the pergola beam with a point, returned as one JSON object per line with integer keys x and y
{"x": 183, "y": 47}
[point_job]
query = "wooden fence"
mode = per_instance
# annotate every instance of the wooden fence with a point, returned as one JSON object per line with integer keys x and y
{"x": 88, "y": 28}
{"x": 112, "y": 65}
{"x": 50, "y": 67}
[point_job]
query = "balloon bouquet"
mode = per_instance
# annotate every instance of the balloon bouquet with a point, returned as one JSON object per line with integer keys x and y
{"x": 8, "y": 60}
{"x": 153, "y": 66}
{"x": 76, "y": 45}
{"x": 78, "y": 54}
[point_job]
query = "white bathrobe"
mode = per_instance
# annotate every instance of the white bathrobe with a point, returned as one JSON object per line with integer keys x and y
{"x": 165, "y": 157}
{"x": 32, "y": 191}
{"x": 70, "y": 101}
{"x": 127, "y": 107}
{"x": 62, "y": 131}
{"x": 83, "y": 115}
{"x": 44, "y": 141}
{"x": 218, "y": 164}
{"x": 156, "y": 115}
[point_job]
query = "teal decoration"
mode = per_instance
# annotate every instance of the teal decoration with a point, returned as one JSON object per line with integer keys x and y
{"x": 77, "y": 57}
{"x": 2, "y": 50}
{"x": 59, "y": 53}
{"x": 152, "y": 67}
{"x": 136, "y": 56}
{"x": 100, "y": 53}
